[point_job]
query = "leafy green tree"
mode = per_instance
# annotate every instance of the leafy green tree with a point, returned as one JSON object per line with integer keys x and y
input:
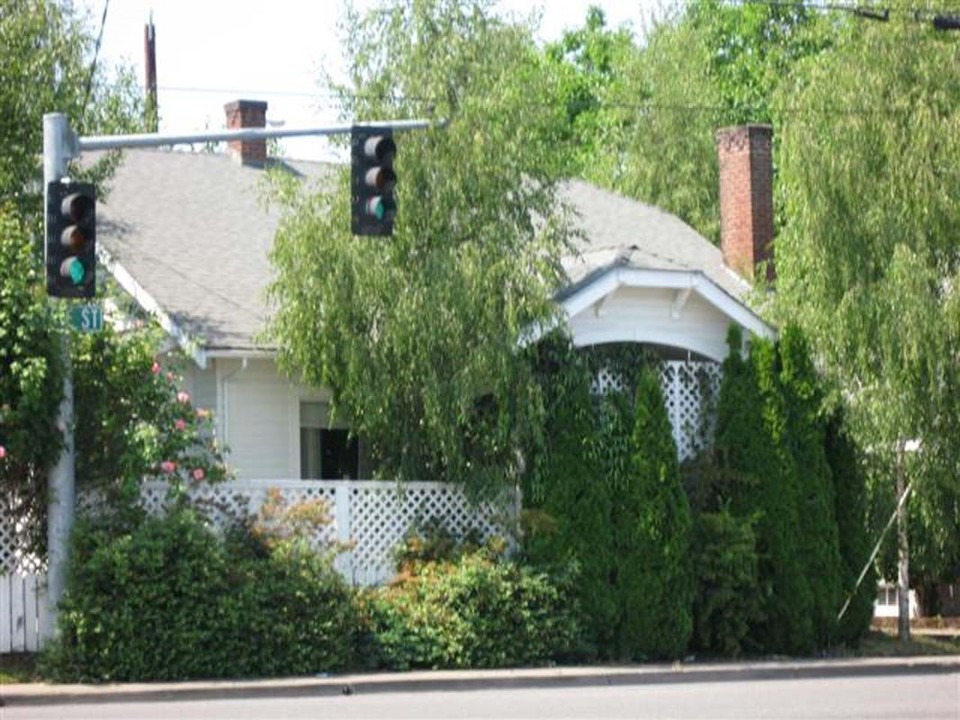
{"x": 589, "y": 62}
{"x": 47, "y": 49}
{"x": 46, "y": 62}
{"x": 867, "y": 261}
{"x": 638, "y": 110}
{"x": 657, "y": 575}
{"x": 417, "y": 334}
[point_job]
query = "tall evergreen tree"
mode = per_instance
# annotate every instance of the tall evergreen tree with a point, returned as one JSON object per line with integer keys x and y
{"x": 751, "y": 432}
{"x": 805, "y": 437}
{"x": 568, "y": 503}
{"x": 849, "y": 481}
{"x": 657, "y": 580}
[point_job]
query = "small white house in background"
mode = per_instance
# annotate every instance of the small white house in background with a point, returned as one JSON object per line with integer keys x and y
{"x": 187, "y": 236}
{"x": 887, "y": 603}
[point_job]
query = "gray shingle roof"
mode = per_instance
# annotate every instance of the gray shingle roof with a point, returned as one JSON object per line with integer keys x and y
{"x": 193, "y": 232}
{"x": 618, "y": 231}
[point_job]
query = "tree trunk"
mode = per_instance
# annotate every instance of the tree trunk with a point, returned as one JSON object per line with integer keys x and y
{"x": 903, "y": 553}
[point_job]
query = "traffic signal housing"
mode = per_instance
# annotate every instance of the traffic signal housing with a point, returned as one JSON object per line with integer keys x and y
{"x": 372, "y": 180}
{"x": 71, "y": 240}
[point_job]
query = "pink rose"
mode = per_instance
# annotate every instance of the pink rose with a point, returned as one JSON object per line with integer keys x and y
{"x": 203, "y": 413}
{"x": 198, "y": 474}
{"x": 183, "y": 396}
{"x": 168, "y": 466}
{"x": 155, "y": 368}
{"x": 180, "y": 424}
{"x": 3, "y": 452}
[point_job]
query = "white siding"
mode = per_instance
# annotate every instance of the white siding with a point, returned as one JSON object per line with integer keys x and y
{"x": 262, "y": 420}
{"x": 647, "y": 316}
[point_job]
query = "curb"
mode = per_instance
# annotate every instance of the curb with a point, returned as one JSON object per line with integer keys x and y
{"x": 451, "y": 681}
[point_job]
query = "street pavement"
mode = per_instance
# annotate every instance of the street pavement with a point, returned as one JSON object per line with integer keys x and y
{"x": 554, "y": 677}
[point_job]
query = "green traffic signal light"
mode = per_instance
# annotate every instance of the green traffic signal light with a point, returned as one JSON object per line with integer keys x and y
{"x": 373, "y": 180}
{"x": 71, "y": 239}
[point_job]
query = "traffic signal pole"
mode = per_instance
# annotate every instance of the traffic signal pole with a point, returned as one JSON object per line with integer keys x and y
{"x": 60, "y": 146}
{"x": 60, "y": 485}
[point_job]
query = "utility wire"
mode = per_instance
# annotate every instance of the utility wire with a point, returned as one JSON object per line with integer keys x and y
{"x": 96, "y": 55}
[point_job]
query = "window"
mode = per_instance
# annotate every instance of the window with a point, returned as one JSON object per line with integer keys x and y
{"x": 326, "y": 453}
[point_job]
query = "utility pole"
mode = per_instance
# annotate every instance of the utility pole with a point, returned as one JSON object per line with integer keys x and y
{"x": 60, "y": 146}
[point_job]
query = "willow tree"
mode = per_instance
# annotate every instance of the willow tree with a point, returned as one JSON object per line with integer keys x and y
{"x": 868, "y": 259}
{"x": 417, "y": 334}
{"x": 637, "y": 109}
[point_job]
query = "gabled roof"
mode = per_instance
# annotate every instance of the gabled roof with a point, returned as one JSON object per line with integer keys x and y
{"x": 187, "y": 234}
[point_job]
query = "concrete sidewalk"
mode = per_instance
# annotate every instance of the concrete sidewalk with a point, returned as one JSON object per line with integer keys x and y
{"x": 452, "y": 680}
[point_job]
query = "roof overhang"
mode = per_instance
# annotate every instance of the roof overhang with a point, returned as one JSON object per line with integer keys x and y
{"x": 190, "y": 345}
{"x": 594, "y": 292}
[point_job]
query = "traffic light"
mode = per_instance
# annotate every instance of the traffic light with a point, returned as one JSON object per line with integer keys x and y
{"x": 71, "y": 240}
{"x": 372, "y": 180}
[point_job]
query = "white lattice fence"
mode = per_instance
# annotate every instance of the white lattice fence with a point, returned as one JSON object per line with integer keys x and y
{"x": 370, "y": 517}
{"x": 381, "y": 514}
{"x": 689, "y": 390}
{"x": 22, "y": 578}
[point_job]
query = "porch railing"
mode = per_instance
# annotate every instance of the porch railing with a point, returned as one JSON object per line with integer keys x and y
{"x": 370, "y": 518}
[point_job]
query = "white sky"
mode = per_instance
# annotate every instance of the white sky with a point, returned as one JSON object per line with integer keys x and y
{"x": 210, "y": 52}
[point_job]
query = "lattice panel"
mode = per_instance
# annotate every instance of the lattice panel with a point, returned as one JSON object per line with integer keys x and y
{"x": 381, "y": 514}
{"x": 226, "y": 502}
{"x": 607, "y": 380}
{"x": 378, "y": 514}
{"x": 689, "y": 391}
{"x": 14, "y": 556}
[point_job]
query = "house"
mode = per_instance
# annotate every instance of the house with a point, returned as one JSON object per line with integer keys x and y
{"x": 187, "y": 236}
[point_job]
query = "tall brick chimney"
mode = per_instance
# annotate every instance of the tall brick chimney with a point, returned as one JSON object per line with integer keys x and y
{"x": 746, "y": 198}
{"x": 247, "y": 114}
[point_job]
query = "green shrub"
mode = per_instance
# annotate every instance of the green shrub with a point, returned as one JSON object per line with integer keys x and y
{"x": 854, "y": 542}
{"x": 479, "y": 612}
{"x": 569, "y": 498}
{"x": 168, "y": 600}
{"x": 656, "y": 576}
{"x": 727, "y": 603}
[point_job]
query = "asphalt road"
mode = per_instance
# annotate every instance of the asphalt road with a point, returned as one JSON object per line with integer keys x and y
{"x": 877, "y": 697}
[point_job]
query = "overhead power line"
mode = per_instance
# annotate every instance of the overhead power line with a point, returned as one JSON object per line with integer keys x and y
{"x": 96, "y": 55}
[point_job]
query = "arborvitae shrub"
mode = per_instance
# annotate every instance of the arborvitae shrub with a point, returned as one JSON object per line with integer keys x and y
{"x": 567, "y": 500}
{"x": 611, "y": 453}
{"x": 805, "y": 437}
{"x": 656, "y": 576}
{"x": 728, "y": 598}
{"x": 854, "y": 543}
{"x": 787, "y": 625}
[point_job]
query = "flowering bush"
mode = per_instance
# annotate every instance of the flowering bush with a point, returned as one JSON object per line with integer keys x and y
{"x": 31, "y": 381}
{"x": 135, "y": 421}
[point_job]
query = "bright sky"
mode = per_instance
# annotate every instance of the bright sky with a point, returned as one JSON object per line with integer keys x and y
{"x": 210, "y": 52}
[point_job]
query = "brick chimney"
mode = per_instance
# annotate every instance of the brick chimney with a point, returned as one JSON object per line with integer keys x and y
{"x": 247, "y": 114}
{"x": 746, "y": 198}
